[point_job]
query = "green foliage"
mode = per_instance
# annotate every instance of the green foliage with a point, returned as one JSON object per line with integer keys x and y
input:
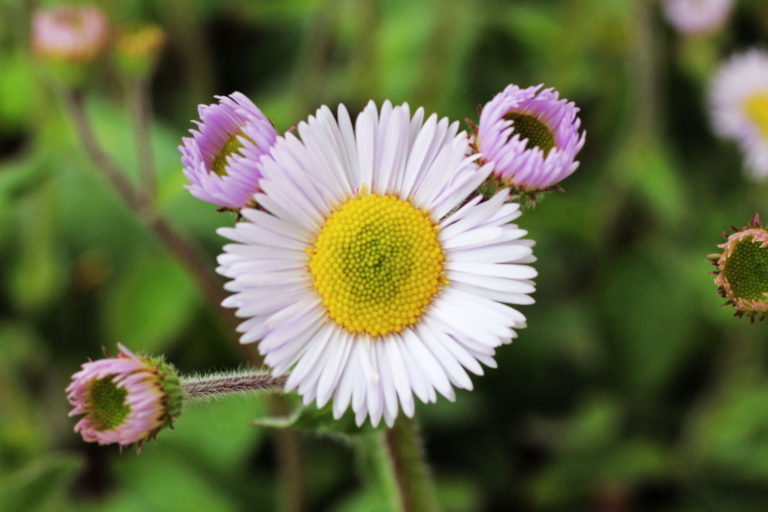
{"x": 39, "y": 484}
{"x": 629, "y": 390}
{"x": 150, "y": 304}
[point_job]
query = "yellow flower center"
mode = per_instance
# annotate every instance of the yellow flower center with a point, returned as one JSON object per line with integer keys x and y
{"x": 377, "y": 263}
{"x": 756, "y": 108}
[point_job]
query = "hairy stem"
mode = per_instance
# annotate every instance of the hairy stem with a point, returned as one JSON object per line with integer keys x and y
{"x": 212, "y": 385}
{"x": 377, "y": 469}
{"x": 414, "y": 479}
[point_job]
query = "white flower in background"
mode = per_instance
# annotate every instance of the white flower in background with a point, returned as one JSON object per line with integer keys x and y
{"x": 738, "y": 102}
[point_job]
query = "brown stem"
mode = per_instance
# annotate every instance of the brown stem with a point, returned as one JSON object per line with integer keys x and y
{"x": 197, "y": 265}
{"x": 140, "y": 99}
{"x": 75, "y": 103}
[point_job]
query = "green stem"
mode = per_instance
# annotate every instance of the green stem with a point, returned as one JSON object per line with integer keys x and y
{"x": 377, "y": 469}
{"x": 414, "y": 479}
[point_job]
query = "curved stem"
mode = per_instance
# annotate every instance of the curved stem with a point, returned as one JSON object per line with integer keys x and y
{"x": 197, "y": 265}
{"x": 75, "y": 102}
{"x": 414, "y": 479}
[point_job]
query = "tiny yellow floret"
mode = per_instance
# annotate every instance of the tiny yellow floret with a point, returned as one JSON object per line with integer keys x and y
{"x": 377, "y": 263}
{"x": 756, "y": 108}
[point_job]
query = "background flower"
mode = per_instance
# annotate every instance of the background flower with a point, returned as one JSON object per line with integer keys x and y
{"x": 697, "y": 16}
{"x": 738, "y": 100}
{"x": 70, "y": 33}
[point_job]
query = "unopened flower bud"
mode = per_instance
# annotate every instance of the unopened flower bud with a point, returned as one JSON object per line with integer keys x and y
{"x": 531, "y": 136}
{"x": 74, "y": 34}
{"x": 137, "y": 49}
{"x": 222, "y": 158}
{"x": 124, "y": 399}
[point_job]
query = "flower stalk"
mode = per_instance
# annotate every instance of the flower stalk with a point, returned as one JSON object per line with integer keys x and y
{"x": 414, "y": 479}
{"x": 206, "y": 387}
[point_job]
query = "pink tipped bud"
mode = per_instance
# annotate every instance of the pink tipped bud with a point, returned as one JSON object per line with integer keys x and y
{"x": 124, "y": 399}
{"x": 69, "y": 33}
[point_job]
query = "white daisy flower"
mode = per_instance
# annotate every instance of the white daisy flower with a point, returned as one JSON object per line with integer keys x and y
{"x": 694, "y": 17}
{"x": 738, "y": 102}
{"x": 366, "y": 276}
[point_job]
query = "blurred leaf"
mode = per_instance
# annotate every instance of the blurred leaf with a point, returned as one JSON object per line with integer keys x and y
{"x": 168, "y": 481}
{"x": 319, "y": 421}
{"x": 218, "y": 432}
{"x": 645, "y": 165}
{"x": 729, "y": 434}
{"x": 22, "y": 431}
{"x": 39, "y": 483}
{"x": 150, "y": 304}
{"x": 591, "y": 455}
{"x": 459, "y": 495}
{"x": 19, "y": 89}
{"x": 363, "y": 501}
{"x": 39, "y": 271}
{"x": 649, "y": 318}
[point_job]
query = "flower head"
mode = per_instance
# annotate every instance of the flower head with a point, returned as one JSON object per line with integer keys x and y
{"x": 138, "y": 48}
{"x": 738, "y": 101}
{"x": 221, "y": 159}
{"x": 697, "y": 16}
{"x": 742, "y": 269}
{"x": 124, "y": 399}
{"x": 367, "y": 274}
{"x": 75, "y": 34}
{"x": 531, "y": 137}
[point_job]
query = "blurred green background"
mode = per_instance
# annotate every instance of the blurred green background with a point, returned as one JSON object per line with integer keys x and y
{"x": 631, "y": 389}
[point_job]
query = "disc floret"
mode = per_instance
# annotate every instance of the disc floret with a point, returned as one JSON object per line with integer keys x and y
{"x": 377, "y": 263}
{"x": 742, "y": 270}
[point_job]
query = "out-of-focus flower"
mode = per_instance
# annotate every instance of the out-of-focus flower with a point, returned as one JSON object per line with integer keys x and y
{"x": 738, "y": 101}
{"x": 125, "y": 399}
{"x": 137, "y": 49}
{"x": 531, "y": 137}
{"x": 221, "y": 159}
{"x": 72, "y": 34}
{"x": 742, "y": 269}
{"x": 697, "y": 16}
{"x": 366, "y": 276}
